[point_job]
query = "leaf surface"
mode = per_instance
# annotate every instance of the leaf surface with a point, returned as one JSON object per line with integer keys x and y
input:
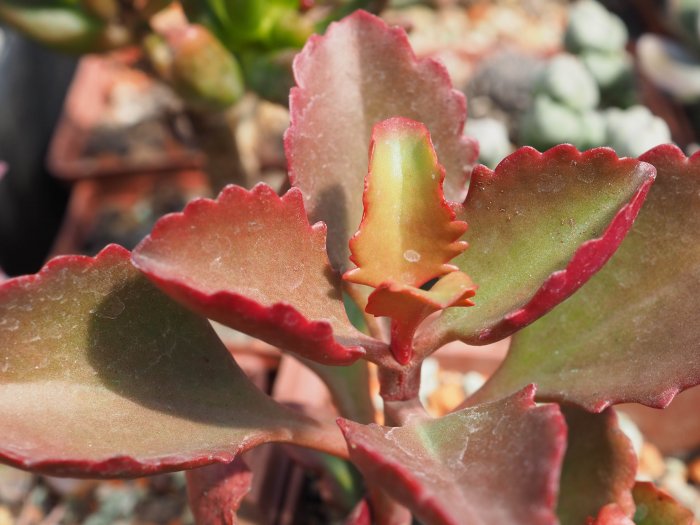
{"x": 459, "y": 469}
{"x": 251, "y": 260}
{"x": 360, "y": 73}
{"x": 101, "y": 374}
{"x": 599, "y": 467}
{"x": 655, "y": 507}
{"x": 408, "y": 232}
{"x": 631, "y": 334}
{"x": 540, "y": 225}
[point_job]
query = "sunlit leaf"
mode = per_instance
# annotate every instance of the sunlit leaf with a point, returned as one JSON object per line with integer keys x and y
{"x": 539, "y": 227}
{"x": 631, "y": 334}
{"x": 360, "y": 73}
{"x": 251, "y": 260}
{"x": 408, "y": 232}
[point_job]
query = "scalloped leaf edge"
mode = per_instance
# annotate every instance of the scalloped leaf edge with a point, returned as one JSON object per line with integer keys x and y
{"x": 120, "y": 466}
{"x": 588, "y": 258}
{"x": 436, "y": 67}
{"x": 279, "y": 313}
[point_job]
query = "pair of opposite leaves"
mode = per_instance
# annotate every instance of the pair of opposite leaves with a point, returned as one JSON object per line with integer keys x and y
{"x": 530, "y": 217}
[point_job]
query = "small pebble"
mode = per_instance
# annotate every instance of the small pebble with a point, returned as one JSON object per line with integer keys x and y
{"x": 694, "y": 471}
{"x": 651, "y": 462}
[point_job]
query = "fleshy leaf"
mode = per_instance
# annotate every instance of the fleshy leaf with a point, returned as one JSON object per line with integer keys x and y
{"x": 250, "y": 260}
{"x": 407, "y": 303}
{"x": 408, "y": 232}
{"x": 215, "y": 492}
{"x": 101, "y": 374}
{"x": 631, "y": 334}
{"x": 539, "y": 227}
{"x": 360, "y": 73}
{"x": 460, "y": 468}
{"x": 409, "y": 306}
{"x": 599, "y": 467}
{"x": 655, "y": 507}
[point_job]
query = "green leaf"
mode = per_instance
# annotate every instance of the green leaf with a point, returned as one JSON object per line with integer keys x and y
{"x": 61, "y": 27}
{"x": 540, "y": 225}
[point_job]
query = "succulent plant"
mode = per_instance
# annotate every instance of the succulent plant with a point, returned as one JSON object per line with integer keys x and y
{"x": 109, "y": 366}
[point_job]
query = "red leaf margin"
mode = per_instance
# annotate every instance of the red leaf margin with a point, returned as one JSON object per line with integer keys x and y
{"x": 457, "y": 228}
{"x": 437, "y": 69}
{"x": 118, "y": 466}
{"x": 219, "y": 305}
{"x": 588, "y": 258}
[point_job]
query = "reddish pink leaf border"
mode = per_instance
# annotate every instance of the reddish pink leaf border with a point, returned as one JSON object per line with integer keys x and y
{"x": 222, "y": 304}
{"x": 586, "y": 261}
{"x": 438, "y": 70}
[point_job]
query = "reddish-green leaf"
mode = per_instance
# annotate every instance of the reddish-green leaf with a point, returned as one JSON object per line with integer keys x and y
{"x": 599, "y": 467}
{"x": 101, "y": 374}
{"x": 215, "y": 492}
{"x": 496, "y": 463}
{"x": 539, "y": 227}
{"x": 655, "y": 507}
{"x": 251, "y": 261}
{"x": 408, "y": 232}
{"x": 360, "y": 73}
{"x": 631, "y": 334}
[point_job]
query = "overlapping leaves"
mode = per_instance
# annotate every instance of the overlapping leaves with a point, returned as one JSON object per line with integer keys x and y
{"x": 101, "y": 374}
{"x": 630, "y": 334}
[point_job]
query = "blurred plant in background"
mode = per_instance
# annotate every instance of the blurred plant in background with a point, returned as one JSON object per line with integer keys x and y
{"x": 588, "y": 98}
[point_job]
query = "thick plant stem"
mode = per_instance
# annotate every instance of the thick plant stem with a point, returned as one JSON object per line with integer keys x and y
{"x": 429, "y": 338}
{"x": 399, "y": 413}
{"x": 399, "y": 384}
{"x": 216, "y": 136}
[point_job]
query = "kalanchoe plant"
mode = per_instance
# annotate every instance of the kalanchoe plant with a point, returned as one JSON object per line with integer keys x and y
{"x": 109, "y": 366}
